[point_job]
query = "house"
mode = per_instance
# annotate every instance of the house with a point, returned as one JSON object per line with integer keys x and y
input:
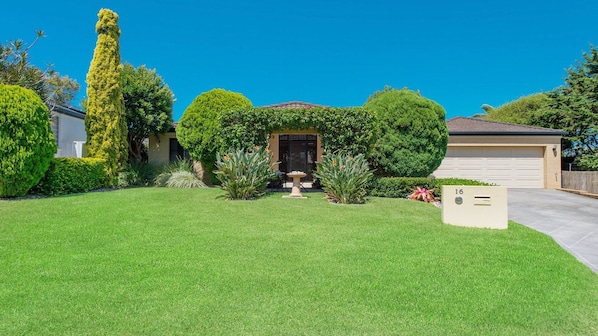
{"x": 165, "y": 148}
{"x": 510, "y": 155}
{"x": 505, "y": 154}
{"x": 68, "y": 126}
{"x": 295, "y": 150}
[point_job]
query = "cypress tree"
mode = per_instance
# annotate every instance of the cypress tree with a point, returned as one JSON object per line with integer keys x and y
{"x": 105, "y": 121}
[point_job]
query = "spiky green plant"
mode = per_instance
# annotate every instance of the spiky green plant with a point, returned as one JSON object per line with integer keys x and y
{"x": 245, "y": 174}
{"x": 184, "y": 179}
{"x": 137, "y": 174}
{"x": 179, "y": 174}
{"x": 343, "y": 177}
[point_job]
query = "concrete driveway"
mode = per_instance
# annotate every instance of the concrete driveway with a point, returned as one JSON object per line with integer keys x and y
{"x": 572, "y": 220}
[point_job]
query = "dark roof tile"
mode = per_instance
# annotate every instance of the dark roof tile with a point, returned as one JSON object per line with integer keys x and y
{"x": 474, "y": 126}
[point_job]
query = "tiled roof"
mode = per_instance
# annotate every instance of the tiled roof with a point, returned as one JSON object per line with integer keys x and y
{"x": 474, "y": 126}
{"x": 293, "y": 104}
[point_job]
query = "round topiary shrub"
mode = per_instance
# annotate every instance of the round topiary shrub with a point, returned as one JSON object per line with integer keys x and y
{"x": 26, "y": 140}
{"x": 413, "y": 133}
{"x": 199, "y": 126}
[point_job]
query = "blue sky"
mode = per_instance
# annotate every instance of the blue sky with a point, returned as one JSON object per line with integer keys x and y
{"x": 462, "y": 54}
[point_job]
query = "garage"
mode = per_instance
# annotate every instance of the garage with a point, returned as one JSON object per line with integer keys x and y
{"x": 518, "y": 167}
{"x": 515, "y": 156}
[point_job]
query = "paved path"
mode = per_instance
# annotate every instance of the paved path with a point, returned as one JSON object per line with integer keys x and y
{"x": 572, "y": 220}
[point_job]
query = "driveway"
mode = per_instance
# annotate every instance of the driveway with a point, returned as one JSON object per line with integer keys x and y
{"x": 572, "y": 220}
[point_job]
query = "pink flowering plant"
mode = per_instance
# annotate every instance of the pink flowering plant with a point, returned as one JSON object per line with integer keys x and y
{"x": 423, "y": 194}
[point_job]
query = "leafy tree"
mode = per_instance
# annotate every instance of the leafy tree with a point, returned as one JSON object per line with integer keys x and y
{"x": 198, "y": 129}
{"x": 574, "y": 109}
{"x": 413, "y": 133}
{"x": 26, "y": 140}
{"x": 524, "y": 110}
{"x": 105, "y": 121}
{"x": 15, "y": 69}
{"x": 148, "y": 107}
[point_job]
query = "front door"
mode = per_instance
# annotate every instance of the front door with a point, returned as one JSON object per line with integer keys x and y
{"x": 297, "y": 152}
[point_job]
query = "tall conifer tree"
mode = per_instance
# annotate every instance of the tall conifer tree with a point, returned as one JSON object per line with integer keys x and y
{"x": 105, "y": 121}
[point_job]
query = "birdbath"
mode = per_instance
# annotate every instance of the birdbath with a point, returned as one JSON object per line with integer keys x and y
{"x": 296, "y": 191}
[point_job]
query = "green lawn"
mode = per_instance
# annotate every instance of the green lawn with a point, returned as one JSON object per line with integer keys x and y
{"x": 176, "y": 261}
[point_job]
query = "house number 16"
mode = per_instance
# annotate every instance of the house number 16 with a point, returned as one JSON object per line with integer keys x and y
{"x": 458, "y": 191}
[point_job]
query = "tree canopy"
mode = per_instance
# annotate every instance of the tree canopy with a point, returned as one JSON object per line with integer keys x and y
{"x": 524, "y": 110}
{"x": 16, "y": 69}
{"x": 148, "y": 107}
{"x": 413, "y": 133}
{"x": 573, "y": 108}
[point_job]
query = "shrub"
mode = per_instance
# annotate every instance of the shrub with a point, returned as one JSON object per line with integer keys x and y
{"x": 439, "y": 182}
{"x": 402, "y": 187}
{"x": 423, "y": 194}
{"x": 184, "y": 179}
{"x": 26, "y": 141}
{"x": 139, "y": 174}
{"x": 71, "y": 175}
{"x": 343, "y": 177}
{"x": 245, "y": 174}
{"x": 179, "y": 174}
{"x": 398, "y": 187}
{"x": 588, "y": 161}
{"x": 198, "y": 129}
{"x": 413, "y": 134}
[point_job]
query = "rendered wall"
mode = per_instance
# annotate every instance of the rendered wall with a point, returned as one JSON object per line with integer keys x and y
{"x": 159, "y": 150}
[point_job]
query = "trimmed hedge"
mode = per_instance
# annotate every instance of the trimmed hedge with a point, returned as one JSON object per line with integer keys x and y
{"x": 71, "y": 175}
{"x": 402, "y": 187}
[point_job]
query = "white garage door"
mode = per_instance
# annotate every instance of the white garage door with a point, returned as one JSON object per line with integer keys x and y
{"x": 516, "y": 167}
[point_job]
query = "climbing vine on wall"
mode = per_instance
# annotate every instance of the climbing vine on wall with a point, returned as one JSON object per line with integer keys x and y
{"x": 353, "y": 130}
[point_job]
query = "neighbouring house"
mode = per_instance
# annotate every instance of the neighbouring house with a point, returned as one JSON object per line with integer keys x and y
{"x": 505, "y": 154}
{"x": 68, "y": 126}
{"x": 510, "y": 155}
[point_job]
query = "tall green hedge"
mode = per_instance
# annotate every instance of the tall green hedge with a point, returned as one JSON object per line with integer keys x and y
{"x": 105, "y": 120}
{"x": 413, "y": 134}
{"x": 26, "y": 141}
{"x": 71, "y": 175}
{"x": 352, "y": 130}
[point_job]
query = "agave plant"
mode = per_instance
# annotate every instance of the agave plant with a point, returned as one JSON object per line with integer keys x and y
{"x": 245, "y": 174}
{"x": 423, "y": 194}
{"x": 343, "y": 177}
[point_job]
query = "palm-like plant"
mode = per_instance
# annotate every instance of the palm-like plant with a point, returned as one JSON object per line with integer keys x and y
{"x": 344, "y": 177}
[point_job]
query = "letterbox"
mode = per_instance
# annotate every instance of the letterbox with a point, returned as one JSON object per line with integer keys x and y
{"x": 475, "y": 206}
